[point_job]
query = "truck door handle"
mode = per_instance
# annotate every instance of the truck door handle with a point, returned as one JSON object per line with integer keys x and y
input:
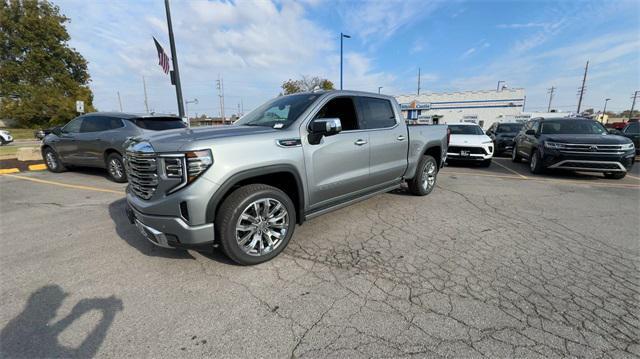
{"x": 401, "y": 138}
{"x": 360, "y": 142}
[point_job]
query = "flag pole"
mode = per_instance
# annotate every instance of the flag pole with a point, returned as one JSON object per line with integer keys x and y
{"x": 174, "y": 60}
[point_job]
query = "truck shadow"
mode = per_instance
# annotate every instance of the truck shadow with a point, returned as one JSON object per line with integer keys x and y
{"x": 32, "y": 335}
{"x": 129, "y": 233}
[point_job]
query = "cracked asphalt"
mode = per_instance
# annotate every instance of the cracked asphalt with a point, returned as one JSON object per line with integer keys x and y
{"x": 488, "y": 265}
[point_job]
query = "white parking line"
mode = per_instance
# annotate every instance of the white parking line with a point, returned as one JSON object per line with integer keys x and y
{"x": 509, "y": 169}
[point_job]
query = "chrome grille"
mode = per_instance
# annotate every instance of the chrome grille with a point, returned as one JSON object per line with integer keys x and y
{"x": 592, "y": 148}
{"x": 142, "y": 171}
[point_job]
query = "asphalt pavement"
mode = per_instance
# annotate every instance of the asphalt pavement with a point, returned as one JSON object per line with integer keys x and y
{"x": 494, "y": 263}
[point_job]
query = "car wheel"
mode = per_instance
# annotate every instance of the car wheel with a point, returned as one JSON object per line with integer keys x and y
{"x": 485, "y": 163}
{"x": 615, "y": 175}
{"x": 425, "y": 179}
{"x": 52, "y": 160}
{"x": 115, "y": 167}
{"x": 535, "y": 163}
{"x": 255, "y": 223}
{"x": 2, "y": 142}
{"x": 515, "y": 157}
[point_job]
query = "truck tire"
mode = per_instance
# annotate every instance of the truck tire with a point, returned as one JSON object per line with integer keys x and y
{"x": 115, "y": 168}
{"x": 535, "y": 163}
{"x": 615, "y": 175}
{"x": 425, "y": 179}
{"x": 52, "y": 160}
{"x": 255, "y": 223}
{"x": 515, "y": 157}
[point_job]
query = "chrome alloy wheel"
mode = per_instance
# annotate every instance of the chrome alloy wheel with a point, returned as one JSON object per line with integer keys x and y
{"x": 429, "y": 175}
{"x": 116, "y": 170}
{"x": 262, "y": 226}
{"x": 51, "y": 160}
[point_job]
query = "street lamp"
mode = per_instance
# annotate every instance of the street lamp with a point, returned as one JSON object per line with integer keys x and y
{"x": 194, "y": 101}
{"x": 498, "y": 87}
{"x": 341, "y": 37}
{"x": 379, "y": 88}
{"x": 604, "y": 110}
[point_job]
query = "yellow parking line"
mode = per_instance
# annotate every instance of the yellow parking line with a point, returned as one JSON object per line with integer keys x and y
{"x": 510, "y": 170}
{"x": 88, "y": 188}
{"x": 39, "y": 167}
{"x": 9, "y": 170}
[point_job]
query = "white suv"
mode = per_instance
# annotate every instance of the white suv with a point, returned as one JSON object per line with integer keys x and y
{"x": 469, "y": 143}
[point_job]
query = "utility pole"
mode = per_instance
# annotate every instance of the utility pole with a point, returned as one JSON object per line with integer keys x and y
{"x": 146, "y": 101}
{"x": 550, "y": 92}
{"x": 379, "y": 88}
{"x": 418, "y": 81}
{"x": 119, "y": 101}
{"x": 174, "y": 58}
{"x": 633, "y": 104}
{"x": 220, "y": 86}
{"x": 584, "y": 80}
{"x": 498, "y": 87}
{"x": 342, "y": 36}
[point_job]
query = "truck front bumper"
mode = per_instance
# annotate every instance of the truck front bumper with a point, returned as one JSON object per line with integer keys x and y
{"x": 171, "y": 232}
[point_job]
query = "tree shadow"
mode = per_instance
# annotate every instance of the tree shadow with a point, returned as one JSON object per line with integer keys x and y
{"x": 129, "y": 233}
{"x": 31, "y": 335}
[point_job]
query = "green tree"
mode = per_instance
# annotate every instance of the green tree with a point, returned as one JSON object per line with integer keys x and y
{"x": 41, "y": 77}
{"x": 306, "y": 83}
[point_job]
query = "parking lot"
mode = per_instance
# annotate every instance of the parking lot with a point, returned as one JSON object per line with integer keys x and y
{"x": 495, "y": 262}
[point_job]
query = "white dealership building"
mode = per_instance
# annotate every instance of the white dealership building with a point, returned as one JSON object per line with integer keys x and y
{"x": 481, "y": 107}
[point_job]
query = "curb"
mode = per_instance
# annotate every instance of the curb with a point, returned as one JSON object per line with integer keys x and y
{"x": 32, "y": 167}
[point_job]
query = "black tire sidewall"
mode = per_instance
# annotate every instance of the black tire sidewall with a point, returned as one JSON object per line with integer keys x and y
{"x": 416, "y": 184}
{"x": 538, "y": 166}
{"x": 237, "y": 205}
{"x": 119, "y": 159}
{"x": 60, "y": 167}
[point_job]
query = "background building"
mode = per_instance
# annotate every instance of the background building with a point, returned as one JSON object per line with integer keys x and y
{"x": 481, "y": 107}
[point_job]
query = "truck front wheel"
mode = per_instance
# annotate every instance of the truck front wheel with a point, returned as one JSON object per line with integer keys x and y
{"x": 425, "y": 179}
{"x": 255, "y": 223}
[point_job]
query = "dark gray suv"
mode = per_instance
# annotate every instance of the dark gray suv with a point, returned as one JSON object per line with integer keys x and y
{"x": 96, "y": 140}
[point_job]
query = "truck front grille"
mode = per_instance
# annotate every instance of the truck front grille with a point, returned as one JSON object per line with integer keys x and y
{"x": 142, "y": 171}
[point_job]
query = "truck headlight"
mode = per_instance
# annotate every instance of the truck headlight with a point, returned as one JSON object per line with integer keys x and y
{"x": 554, "y": 145}
{"x": 628, "y": 146}
{"x": 186, "y": 166}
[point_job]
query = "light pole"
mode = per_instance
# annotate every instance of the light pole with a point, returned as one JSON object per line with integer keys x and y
{"x": 194, "y": 101}
{"x": 604, "y": 110}
{"x": 342, "y": 36}
{"x": 498, "y": 87}
{"x": 379, "y": 88}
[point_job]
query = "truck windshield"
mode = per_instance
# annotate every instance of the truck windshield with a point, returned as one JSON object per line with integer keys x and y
{"x": 465, "y": 130}
{"x": 159, "y": 123}
{"x": 279, "y": 112}
{"x": 572, "y": 127}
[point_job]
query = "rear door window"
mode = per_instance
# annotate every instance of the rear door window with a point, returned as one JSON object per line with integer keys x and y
{"x": 377, "y": 113}
{"x": 159, "y": 123}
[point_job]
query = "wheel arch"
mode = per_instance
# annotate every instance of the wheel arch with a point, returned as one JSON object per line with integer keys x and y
{"x": 283, "y": 177}
{"x": 108, "y": 152}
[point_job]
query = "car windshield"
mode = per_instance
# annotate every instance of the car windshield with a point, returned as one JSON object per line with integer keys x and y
{"x": 572, "y": 127}
{"x": 159, "y": 123}
{"x": 509, "y": 128}
{"x": 279, "y": 112}
{"x": 466, "y": 130}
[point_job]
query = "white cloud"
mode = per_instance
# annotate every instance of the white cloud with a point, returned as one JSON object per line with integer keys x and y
{"x": 523, "y": 26}
{"x": 479, "y": 46}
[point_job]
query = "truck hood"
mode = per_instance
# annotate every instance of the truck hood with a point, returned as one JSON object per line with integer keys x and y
{"x": 468, "y": 140}
{"x": 176, "y": 140}
{"x": 588, "y": 139}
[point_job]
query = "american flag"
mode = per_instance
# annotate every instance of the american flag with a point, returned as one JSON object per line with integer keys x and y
{"x": 163, "y": 59}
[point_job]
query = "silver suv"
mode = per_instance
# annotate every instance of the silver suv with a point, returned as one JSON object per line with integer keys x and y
{"x": 245, "y": 187}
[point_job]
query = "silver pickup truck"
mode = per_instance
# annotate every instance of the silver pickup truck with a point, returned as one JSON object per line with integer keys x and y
{"x": 245, "y": 187}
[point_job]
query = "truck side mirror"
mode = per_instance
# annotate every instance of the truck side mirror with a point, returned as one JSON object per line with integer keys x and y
{"x": 323, "y": 127}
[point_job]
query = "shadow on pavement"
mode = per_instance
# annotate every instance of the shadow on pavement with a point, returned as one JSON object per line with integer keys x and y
{"x": 31, "y": 335}
{"x": 129, "y": 233}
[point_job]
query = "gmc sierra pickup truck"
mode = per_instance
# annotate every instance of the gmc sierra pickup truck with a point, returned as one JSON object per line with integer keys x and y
{"x": 245, "y": 187}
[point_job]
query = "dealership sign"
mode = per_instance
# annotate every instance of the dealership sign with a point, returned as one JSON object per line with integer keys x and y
{"x": 414, "y": 105}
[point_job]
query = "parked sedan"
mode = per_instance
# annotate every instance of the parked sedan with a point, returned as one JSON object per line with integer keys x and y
{"x": 5, "y": 137}
{"x": 97, "y": 139}
{"x": 469, "y": 143}
{"x": 502, "y": 135}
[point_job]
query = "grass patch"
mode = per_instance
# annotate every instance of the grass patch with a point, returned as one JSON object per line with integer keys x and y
{"x": 21, "y": 133}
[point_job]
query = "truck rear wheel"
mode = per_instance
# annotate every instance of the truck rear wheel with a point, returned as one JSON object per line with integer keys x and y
{"x": 425, "y": 179}
{"x": 255, "y": 223}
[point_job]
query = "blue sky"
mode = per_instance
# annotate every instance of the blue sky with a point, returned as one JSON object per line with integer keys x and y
{"x": 459, "y": 45}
